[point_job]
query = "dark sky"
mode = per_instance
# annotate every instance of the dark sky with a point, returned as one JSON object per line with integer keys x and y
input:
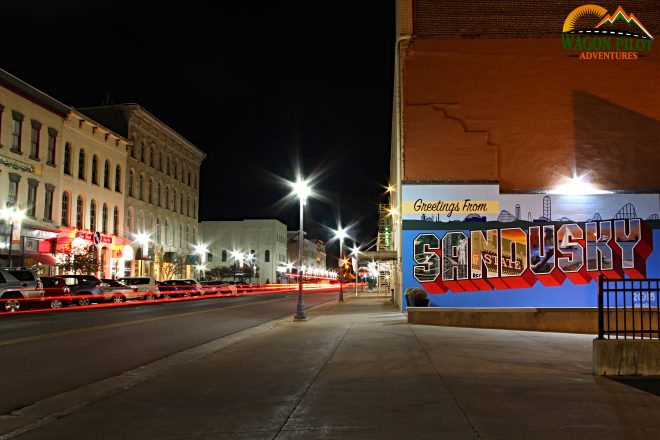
{"x": 265, "y": 89}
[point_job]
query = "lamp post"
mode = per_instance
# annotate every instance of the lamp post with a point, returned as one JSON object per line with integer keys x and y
{"x": 202, "y": 250}
{"x": 341, "y": 233}
{"x": 14, "y": 216}
{"x": 302, "y": 190}
{"x": 355, "y": 251}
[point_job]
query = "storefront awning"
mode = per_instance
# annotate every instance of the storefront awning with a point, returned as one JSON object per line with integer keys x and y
{"x": 192, "y": 260}
{"x": 170, "y": 257}
{"x": 148, "y": 256}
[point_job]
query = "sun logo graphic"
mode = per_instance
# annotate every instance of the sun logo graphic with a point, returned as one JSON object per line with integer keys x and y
{"x": 596, "y": 35}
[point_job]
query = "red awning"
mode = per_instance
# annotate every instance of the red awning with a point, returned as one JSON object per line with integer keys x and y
{"x": 46, "y": 259}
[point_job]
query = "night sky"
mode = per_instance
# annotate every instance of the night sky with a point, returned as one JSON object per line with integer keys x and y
{"x": 265, "y": 90}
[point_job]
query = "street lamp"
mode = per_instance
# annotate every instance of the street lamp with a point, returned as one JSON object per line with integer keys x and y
{"x": 143, "y": 239}
{"x": 341, "y": 234}
{"x": 355, "y": 251}
{"x": 202, "y": 250}
{"x": 302, "y": 190}
{"x": 238, "y": 256}
{"x": 14, "y": 216}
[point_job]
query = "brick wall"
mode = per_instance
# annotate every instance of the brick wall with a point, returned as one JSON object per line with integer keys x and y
{"x": 513, "y": 18}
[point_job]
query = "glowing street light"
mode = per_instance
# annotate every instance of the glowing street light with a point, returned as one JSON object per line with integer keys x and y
{"x": 341, "y": 234}
{"x": 302, "y": 191}
{"x": 201, "y": 250}
{"x": 14, "y": 216}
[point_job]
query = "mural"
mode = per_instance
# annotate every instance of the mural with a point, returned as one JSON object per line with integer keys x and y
{"x": 473, "y": 247}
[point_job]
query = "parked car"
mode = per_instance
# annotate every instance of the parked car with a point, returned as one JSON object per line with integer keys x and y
{"x": 88, "y": 289}
{"x": 216, "y": 287}
{"x": 18, "y": 288}
{"x": 147, "y": 286}
{"x": 58, "y": 294}
{"x": 167, "y": 289}
{"x": 121, "y": 292}
{"x": 186, "y": 287}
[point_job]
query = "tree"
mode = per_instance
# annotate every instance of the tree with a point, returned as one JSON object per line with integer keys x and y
{"x": 170, "y": 269}
{"x": 82, "y": 260}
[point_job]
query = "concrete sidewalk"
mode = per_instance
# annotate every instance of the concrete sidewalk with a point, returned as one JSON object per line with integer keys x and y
{"x": 358, "y": 370}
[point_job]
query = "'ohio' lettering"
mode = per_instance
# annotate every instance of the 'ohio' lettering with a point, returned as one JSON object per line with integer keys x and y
{"x": 511, "y": 258}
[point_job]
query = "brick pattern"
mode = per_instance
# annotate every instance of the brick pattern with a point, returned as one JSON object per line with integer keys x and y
{"x": 514, "y": 18}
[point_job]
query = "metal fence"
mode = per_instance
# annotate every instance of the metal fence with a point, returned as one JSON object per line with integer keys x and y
{"x": 628, "y": 308}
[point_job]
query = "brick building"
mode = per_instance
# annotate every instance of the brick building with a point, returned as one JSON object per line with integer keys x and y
{"x": 522, "y": 106}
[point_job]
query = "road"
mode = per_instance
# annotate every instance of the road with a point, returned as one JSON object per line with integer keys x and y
{"x": 44, "y": 354}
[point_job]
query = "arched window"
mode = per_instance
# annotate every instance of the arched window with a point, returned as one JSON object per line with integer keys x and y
{"x": 151, "y": 190}
{"x": 118, "y": 178}
{"x": 167, "y": 232}
{"x": 106, "y": 174}
{"x": 158, "y": 230}
{"x": 168, "y": 165}
{"x": 131, "y": 176}
{"x": 115, "y": 222}
{"x": 92, "y": 215}
{"x": 267, "y": 256}
{"x": 65, "y": 209}
{"x": 140, "y": 222}
{"x": 104, "y": 219}
{"x": 180, "y": 235}
{"x": 174, "y": 202}
{"x": 142, "y": 153}
{"x": 158, "y": 194}
{"x": 141, "y": 187}
{"x": 151, "y": 157}
{"x": 224, "y": 255}
{"x": 129, "y": 222}
{"x": 176, "y": 175}
{"x": 167, "y": 197}
{"x": 81, "y": 164}
{"x": 67, "y": 159}
{"x": 95, "y": 170}
{"x": 181, "y": 207}
{"x": 79, "y": 212}
{"x": 187, "y": 234}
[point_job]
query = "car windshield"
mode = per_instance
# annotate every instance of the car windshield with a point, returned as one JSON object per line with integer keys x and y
{"x": 113, "y": 283}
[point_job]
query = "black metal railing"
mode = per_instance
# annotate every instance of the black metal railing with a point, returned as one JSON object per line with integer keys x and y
{"x": 628, "y": 308}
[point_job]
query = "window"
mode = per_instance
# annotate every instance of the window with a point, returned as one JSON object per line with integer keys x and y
{"x": 141, "y": 187}
{"x": 181, "y": 207}
{"x": 34, "y": 140}
{"x": 67, "y": 159}
{"x": 16, "y": 128}
{"x": 81, "y": 164}
{"x": 115, "y": 221}
{"x": 104, "y": 219}
{"x": 32, "y": 197}
{"x": 48, "y": 202}
{"x": 92, "y": 215}
{"x": 168, "y": 165}
{"x": 95, "y": 170}
{"x": 224, "y": 256}
{"x": 158, "y": 230}
{"x": 267, "y": 256}
{"x": 167, "y": 197}
{"x": 129, "y": 222}
{"x": 79, "y": 212}
{"x": 140, "y": 222}
{"x": 180, "y": 236}
{"x": 12, "y": 196}
{"x": 167, "y": 232}
{"x": 174, "y": 202}
{"x": 52, "y": 139}
{"x": 142, "y": 153}
{"x": 106, "y": 174}
{"x": 158, "y": 194}
{"x": 151, "y": 156}
{"x": 131, "y": 176}
{"x": 118, "y": 178}
{"x": 160, "y": 160}
{"x": 65, "y": 209}
{"x": 176, "y": 175}
{"x": 151, "y": 190}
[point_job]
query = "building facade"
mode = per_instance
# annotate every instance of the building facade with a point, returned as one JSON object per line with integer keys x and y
{"x": 55, "y": 170}
{"x": 161, "y": 191}
{"x": 314, "y": 254}
{"x": 258, "y": 245}
{"x": 520, "y": 166}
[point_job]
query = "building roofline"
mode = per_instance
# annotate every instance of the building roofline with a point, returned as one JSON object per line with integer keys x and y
{"x": 24, "y": 89}
{"x": 135, "y": 106}
{"x": 95, "y": 123}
